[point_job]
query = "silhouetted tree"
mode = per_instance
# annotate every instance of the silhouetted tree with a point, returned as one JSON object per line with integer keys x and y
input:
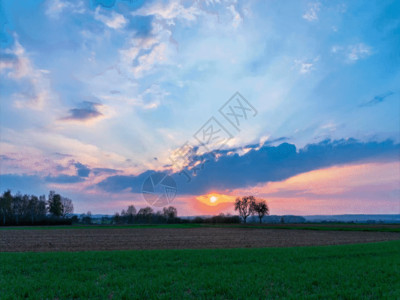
{"x": 29, "y": 209}
{"x": 36, "y": 208}
{"x": 130, "y": 213}
{"x": 116, "y": 218}
{"x": 245, "y": 206}
{"x": 6, "y": 206}
{"x": 170, "y": 213}
{"x": 87, "y": 218}
{"x": 145, "y": 214}
{"x": 260, "y": 207}
{"x": 17, "y": 207}
{"x": 131, "y": 210}
{"x": 55, "y": 204}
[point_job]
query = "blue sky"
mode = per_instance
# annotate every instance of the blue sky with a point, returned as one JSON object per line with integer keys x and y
{"x": 95, "y": 95}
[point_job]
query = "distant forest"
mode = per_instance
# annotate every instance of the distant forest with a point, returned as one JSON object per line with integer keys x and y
{"x": 26, "y": 209}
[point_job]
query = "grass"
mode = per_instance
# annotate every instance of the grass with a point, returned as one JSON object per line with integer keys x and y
{"x": 324, "y": 227}
{"x": 330, "y": 272}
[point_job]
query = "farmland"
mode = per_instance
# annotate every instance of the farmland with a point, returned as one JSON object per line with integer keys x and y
{"x": 179, "y": 237}
{"x": 343, "y": 271}
{"x": 193, "y": 261}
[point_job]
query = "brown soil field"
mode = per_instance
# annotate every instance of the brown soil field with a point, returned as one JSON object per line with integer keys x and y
{"x": 177, "y": 238}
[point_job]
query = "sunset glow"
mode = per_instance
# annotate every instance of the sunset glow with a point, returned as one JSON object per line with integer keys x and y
{"x": 297, "y": 104}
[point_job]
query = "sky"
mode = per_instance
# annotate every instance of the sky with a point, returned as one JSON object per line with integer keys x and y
{"x": 194, "y": 103}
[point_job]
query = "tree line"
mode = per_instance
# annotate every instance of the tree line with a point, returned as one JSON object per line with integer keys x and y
{"x": 146, "y": 215}
{"x": 27, "y": 209}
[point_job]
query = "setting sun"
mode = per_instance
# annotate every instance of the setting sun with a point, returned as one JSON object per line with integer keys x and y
{"x": 213, "y": 199}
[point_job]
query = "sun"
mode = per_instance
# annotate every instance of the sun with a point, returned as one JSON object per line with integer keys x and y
{"x": 213, "y": 199}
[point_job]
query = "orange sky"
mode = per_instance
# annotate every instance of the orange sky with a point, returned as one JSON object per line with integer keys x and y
{"x": 362, "y": 188}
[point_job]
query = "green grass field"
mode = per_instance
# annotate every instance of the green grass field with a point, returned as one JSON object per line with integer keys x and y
{"x": 367, "y": 271}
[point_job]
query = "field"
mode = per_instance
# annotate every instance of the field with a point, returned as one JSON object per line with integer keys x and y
{"x": 262, "y": 264}
{"x": 183, "y": 237}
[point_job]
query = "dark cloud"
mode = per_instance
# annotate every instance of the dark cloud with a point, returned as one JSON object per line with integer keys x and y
{"x": 97, "y": 171}
{"x": 6, "y": 158}
{"x": 122, "y": 182}
{"x": 87, "y": 110}
{"x": 82, "y": 170}
{"x": 61, "y": 168}
{"x": 263, "y": 164}
{"x": 377, "y": 99}
{"x": 64, "y": 179}
{"x": 61, "y": 155}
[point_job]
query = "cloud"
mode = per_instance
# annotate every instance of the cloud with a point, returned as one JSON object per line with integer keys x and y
{"x": 377, "y": 99}
{"x": 358, "y": 51}
{"x": 305, "y": 66}
{"x": 82, "y": 170}
{"x": 97, "y": 171}
{"x": 237, "y": 18}
{"x": 88, "y": 111}
{"x": 357, "y": 188}
{"x": 120, "y": 183}
{"x": 312, "y": 12}
{"x": 56, "y": 7}
{"x": 20, "y": 68}
{"x": 146, "y": 53}
{"x": 114, "y": 21}
{"x": 169, "y": 11}
{"x": 262, "y": 164}
{"x": 6, "y": 158}
{"x": 353, "y": 53}
{"x": 63, "y": 178}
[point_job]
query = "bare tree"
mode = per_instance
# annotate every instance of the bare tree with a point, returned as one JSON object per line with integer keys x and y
{"x": 130, "y": 213}
{"x": 68, "y": 207}
{"x": 170, "y": 213}
{"x": 260, "y": 207}
{"x": 245, "y": 206}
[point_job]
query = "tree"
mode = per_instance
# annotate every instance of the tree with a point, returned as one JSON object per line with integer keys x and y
{"x": 5, "y": 206}
{"x": 260, "y": 207}
{"x": 245, "y": 206}
{"x": 130, "y": 213}
{"x": 145, "y": 213}
{"x": 33, "y": 204}
{"x": 17, "y": 207}
{"x": 116, "y": 218}
{"x": 55, "y": 204}
{"x": 22, "y": 209}
{"x": 170, "y": 213}
{"x": 87, "y": 219}
{"x": 68, "y": 207}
